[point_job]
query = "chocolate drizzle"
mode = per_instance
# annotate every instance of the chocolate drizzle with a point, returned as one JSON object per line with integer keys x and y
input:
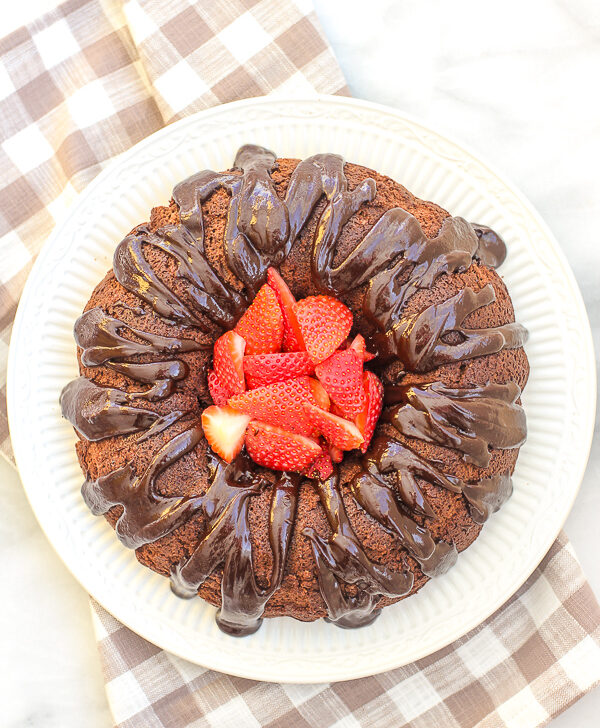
{"x": 394, "y": 261}
{"x": 99, "y": 412}
{"x": 341, "y": 558}
{"x": 419, "y": 340}
{"x": 470, "y": 420}
{"x": 397, "y": 259}
{"x": 227, "y": 541}
{"x": 147, "y": 516}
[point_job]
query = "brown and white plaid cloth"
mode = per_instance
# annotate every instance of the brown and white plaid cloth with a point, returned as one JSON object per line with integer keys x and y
{"x": 78, "y": 87}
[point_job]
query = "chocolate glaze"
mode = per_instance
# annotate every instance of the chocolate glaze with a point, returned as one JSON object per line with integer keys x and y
{"x": 147, "y": 516}
{"x": 210, "y": 296}
{"x": 492, "y": 248}
{"x": 418, "y": 340}
{"x": 395, "y": 259}
{"x": 257, "y": 221}
{"x": 470, "y": 420}
{"x": 226, "y": 541}
{"x": 341, "y": 558}
{"x": 99, "y": 337}
{"x": 98, "y": 412}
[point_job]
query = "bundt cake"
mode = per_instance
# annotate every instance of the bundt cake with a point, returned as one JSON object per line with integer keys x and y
{"x": 299, "y": 390}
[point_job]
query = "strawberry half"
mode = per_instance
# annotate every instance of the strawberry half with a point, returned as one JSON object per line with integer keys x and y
{"x": 262, "y": 323}
{"x": 279, "y": 449}
{"x": 261, "y": 369}
{"x": 325, "y": 322}
{"x": 367, "y": 419}
{"x": 336, "y": 430}
{"x": 360, "y": 347}
{"x": 228, "y": 361}
{"x": 224, "y": 429}
{"x": 342, "y": 376}
{"x": 278, "y": 404}
{"x": 219, "y": 393}
{"x": 292, "y": 336}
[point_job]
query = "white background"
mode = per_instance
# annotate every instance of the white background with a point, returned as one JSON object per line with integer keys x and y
{"x": 518, "y": 82}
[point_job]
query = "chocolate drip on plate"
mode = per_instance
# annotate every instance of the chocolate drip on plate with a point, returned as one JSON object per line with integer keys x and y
{"x": 147, "y": 516}
{"x": 471, "y": 420}
{"x": 341, "y": 558}
{"x": 227, "y": 541}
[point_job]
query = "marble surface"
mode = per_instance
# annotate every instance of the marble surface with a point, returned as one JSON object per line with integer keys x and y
{"x": 516, "y": 81}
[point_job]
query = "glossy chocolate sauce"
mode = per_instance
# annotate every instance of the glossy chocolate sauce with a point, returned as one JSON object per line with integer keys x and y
{"x": 395, "y": 259}
{"x": 471, "y": 420}
{"x": 147, "y": 516}
{"x": 227, "y": 542}
{"x": 341, "y": 558}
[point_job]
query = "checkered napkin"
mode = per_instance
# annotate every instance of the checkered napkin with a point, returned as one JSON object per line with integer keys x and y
{"x": 83, "y": 84}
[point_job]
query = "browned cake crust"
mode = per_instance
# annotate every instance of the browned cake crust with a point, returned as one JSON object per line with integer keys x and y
{"x": 299, "y": 595}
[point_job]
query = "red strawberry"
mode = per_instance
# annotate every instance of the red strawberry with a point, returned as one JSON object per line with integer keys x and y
{"x": 360, "y": 347}
{"x": 219, "y": 393}
{"x": 336, "y": 454}
{"x": 322, "y": 467}
{"x": 367, "y": 419}
{"x": 278, "y": 404}
{"x": 320, "y": 395}
{"x": 229, "y": 362}
{"x": 262, "y": 324}
{"x": 224, "y": 429}
{"x": 341, "y": 375}
{"x": 292, "y": 336}
{"x": 325, "y": 322}
{"x": 278, "y": 449}
{"x": 261, "y": 369}
{"x": 337, "y": 431}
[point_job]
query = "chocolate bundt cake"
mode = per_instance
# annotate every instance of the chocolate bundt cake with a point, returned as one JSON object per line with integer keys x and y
{"x": 299, "y": 390}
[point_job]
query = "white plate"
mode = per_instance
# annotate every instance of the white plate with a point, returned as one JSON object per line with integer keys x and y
{"x": 559, "y": 399}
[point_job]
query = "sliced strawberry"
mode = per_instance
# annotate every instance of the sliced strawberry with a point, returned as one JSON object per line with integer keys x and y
{"x": 360, "y": 347}
{"x": 292, "y": 336}
{"x": 279, "y": 449}
{"x": 341, "y": 375}
{"x": 320, "y": 395}
{"x": 367, "y": 419}
{"x": 224, "y": 429}
{"x": 228, "y": 362}
{"x": 261, "y": 369}
{"x": 279, "y": 404}
{"x": 325, "y": 322}
{"x": 322, "y": 467}
{"x": 219, "y": 393}
{"x": 337, "y": 455}
{"x": 336, "y": 430}
{"x": 262, "y": 324}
